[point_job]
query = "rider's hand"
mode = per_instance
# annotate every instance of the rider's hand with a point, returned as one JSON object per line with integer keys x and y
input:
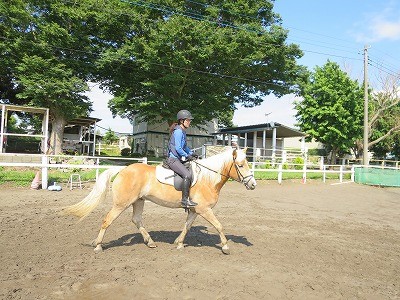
{"x": 195, "y": 156}
{"x": 189, "y": 158}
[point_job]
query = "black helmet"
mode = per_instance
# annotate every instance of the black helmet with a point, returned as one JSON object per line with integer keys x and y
{"x": 184, "y": 114}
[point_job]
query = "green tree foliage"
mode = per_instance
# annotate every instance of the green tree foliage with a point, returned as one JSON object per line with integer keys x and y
{"x": 155, "y": 57}
{"x": 201, "y": 56}
{"x": 45, "y": 48}
{"x": 331, "y": 110}
{"x": 110, "y": 137}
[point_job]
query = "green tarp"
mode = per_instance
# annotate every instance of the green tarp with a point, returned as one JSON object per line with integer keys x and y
{"x": 376, "y": 176}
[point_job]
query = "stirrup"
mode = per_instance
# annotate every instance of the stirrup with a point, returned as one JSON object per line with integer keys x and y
{"x": 188, "y": 203}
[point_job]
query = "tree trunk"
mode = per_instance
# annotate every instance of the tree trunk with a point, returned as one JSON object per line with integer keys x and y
{"x": 333, "y": 158}
{"x": 57, "y": 135}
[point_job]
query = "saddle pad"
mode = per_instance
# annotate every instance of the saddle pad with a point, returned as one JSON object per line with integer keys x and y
{"x": 166, "y": 176}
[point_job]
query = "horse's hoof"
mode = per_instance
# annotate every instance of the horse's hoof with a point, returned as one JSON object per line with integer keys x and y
{"x": 225, "y": 250}
{"x": 93, "y": 243}
{"x": 179, "y": 246}
{"x": 98, "y": 249}
{"x": 151, "y": 245}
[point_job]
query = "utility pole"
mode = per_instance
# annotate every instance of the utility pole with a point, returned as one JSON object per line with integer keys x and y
{"x": 365, "y": 137}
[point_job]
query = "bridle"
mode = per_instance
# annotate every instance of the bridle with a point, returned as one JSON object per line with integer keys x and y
{"x": 242, "y": 179}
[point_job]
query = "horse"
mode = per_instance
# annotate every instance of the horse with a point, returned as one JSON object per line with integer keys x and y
{"x": 137, "y": 182}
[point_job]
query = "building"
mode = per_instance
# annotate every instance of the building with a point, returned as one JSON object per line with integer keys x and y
{"x": 80, "y": 137}
{"x": 152, "y": 139}
{"x": 264, "y": 140}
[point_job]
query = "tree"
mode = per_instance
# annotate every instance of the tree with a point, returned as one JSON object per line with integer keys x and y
{"x": 110, "y": 137}
{"x": 384, "y": 118}
{"x": 205, "y": 58}
{"x": 48, "y": 57}
{"x": 331, "y": 110}
{"x": 56, "y": 89}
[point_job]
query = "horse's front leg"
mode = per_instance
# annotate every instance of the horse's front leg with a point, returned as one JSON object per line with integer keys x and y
{"x": 137, "y": 220}
{"x": 210, "y": 217}
{"x": 189, "y": 221}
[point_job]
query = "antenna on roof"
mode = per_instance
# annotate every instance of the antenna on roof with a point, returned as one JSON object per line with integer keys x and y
{"x": 267, "y": 114}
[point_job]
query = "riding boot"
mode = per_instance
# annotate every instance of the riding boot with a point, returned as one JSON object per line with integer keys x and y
{"x": 186, "y": 201}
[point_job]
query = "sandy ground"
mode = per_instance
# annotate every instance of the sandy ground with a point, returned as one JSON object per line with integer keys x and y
{"x": 289, "y": 241}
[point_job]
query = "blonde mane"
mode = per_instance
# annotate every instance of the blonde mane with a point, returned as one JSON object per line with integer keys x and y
{"x": 210, "y": 169}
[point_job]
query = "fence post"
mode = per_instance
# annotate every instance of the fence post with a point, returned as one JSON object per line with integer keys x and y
{"x": 352, "y": 173}
{"x": 324, "y": 173}
{"x": 45, "y": 161}
{"x": 304, "y": 180}
{"x": 284, "y": 156}
{"x": 97, "y": 170}
{"x": 145, "y": 160}
{"x": 280, "y": 173}
{"x": 321, "y": 163}
{"x": 341, "y": 174}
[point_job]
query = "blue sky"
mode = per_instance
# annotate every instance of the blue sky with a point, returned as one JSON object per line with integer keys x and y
{"x": 335, "y": 30}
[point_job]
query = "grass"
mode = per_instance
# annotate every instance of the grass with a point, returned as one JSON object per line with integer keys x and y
{"x": 23, "y": 177}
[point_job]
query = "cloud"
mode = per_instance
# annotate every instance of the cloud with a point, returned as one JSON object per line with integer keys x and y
{"x": 382, "y": 25}
{"x": 382, "y": 29}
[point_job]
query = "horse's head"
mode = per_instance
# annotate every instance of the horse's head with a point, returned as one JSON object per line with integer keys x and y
{"x": 241, "y": 171}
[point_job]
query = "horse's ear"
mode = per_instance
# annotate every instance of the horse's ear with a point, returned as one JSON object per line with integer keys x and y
{"x": 245, "y": 149}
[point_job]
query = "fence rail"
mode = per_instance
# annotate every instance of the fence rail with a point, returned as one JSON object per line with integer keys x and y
{"x": 46, "y": 162}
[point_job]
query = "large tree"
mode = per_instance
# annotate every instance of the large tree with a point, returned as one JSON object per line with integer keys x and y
{"x": 207, "y": 57}
{"x": 47, "y": 57}
{"x": 331, "y": 109}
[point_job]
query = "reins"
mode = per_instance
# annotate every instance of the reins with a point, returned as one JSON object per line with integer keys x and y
{"x": 240, "y": 175}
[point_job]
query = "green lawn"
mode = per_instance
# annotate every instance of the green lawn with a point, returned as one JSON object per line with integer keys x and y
{"x": 24, "y": 177}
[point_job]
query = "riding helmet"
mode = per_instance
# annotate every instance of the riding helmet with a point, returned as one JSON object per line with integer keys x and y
{"x": 184, "y": 114}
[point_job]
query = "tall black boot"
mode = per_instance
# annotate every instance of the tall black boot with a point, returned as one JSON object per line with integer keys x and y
{"x": 186, "y": 201}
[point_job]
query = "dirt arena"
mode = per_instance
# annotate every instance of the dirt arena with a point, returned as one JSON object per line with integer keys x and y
{"x": 289, "y": 241}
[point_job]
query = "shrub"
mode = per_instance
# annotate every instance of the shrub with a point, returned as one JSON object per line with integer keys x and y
{"x": 126, "y": 152}
{"x": 267, "y": 164}
{"x": 299, "y": 162}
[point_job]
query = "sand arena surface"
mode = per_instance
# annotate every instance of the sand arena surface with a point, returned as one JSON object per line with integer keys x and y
{"x": 289, "y": 241}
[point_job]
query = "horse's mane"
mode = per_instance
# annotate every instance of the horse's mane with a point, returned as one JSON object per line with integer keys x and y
{"x": 211, "y": 167}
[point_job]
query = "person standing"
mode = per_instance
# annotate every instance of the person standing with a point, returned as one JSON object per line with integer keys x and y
{"x": 179, "y": 152}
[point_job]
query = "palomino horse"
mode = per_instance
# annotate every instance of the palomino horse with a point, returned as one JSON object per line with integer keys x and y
{"x": 137, "y": 183}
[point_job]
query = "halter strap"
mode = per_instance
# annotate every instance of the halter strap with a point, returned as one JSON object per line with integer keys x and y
{"x": 240, "y": 175}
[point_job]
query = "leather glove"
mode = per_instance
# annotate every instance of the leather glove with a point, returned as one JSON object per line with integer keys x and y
{"x": 189, "y": 158}
{"x": 195, "y": 156}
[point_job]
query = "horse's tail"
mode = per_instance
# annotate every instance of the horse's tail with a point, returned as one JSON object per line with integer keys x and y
{"x": 97, "y": 195}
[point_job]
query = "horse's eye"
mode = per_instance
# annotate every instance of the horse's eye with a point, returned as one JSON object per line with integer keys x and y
{"x": 240, "y": 166}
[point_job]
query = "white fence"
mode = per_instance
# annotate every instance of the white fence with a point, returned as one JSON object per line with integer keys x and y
{"x": 44, "y": 162}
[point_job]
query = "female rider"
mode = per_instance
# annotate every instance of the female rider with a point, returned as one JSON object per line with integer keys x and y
{"x": 179, "y": 152}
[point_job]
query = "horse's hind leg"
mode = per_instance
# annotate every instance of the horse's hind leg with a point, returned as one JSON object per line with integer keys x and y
{"x": 210, "y": 217}
{"x": 110, "y": 217}
{"x": 189, "y": 221}
{"x": 137, "y": 220}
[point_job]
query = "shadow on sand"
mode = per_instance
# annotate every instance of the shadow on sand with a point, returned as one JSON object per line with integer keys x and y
{"x": 198, "y": 236}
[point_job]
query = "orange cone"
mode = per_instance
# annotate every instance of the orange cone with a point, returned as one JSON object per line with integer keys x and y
{"x": 36, "y": 181}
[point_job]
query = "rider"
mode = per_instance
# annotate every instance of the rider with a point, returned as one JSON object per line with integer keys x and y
{"x": 179, "y": 152}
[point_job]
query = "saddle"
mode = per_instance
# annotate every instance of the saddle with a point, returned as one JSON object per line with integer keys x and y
{"x": 167, "y": 176}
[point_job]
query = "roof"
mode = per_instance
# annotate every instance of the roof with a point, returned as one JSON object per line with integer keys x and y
{"x": 83, "y": 121}
{"x": 282, "y": 131}
{"x": 30, "y": 109}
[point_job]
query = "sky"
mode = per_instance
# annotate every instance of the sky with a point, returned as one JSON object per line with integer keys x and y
{"x": 325, "y": 30}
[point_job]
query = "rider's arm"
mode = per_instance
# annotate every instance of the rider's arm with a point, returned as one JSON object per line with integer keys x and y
{"x": 179, "y": 142}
